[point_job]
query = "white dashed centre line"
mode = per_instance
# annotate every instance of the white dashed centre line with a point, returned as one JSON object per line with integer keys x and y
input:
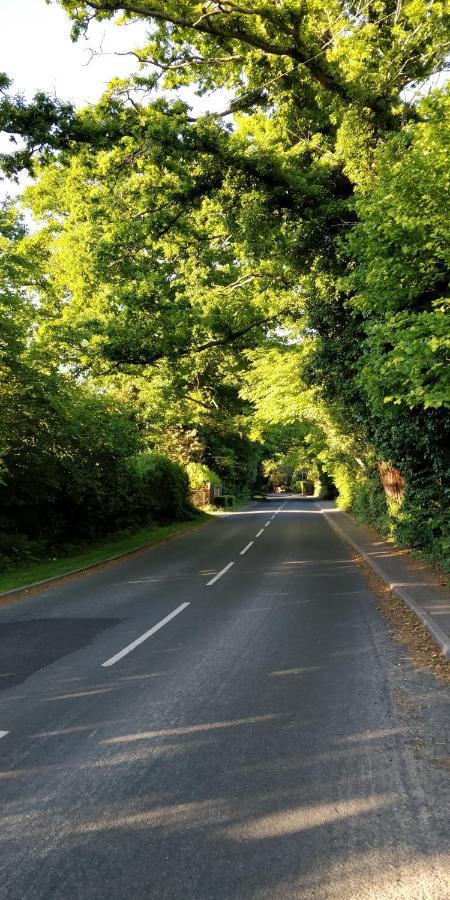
{"x": 247, "y": 548}
{"x": 3, "y": 734}
{"x": 143, "y": 637}
{"x": 260, "y": 532}
{"x": 219, "y": 574}
{"x": 267, "y": 523}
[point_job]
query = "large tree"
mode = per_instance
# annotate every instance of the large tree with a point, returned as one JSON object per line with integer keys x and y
{"x": 183, "y": 242}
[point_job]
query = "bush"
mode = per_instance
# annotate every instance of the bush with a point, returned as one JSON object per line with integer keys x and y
{"x": 70, "y": 471}
{"x": 164, "y": 488}
{"x": 303, "y": 487}
{"x": 199, "y": 475}
{"x": 362, "y": 494}
{"x": 17, "y": 548}
{"x": 423, "y": 523}
{"x": 225, "y": 500}
{"x": 344, "y": 479}
{"x": 233, "y": 457}
{"x": 370, "y": 505}
{"x": 324, "y": 487}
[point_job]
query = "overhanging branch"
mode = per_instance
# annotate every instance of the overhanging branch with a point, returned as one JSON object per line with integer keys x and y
{"x": 232, "y": 29}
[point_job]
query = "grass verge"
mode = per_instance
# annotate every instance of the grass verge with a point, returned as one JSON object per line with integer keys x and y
{"x": 29, "y": 573}
{"x": 240, "y": 502}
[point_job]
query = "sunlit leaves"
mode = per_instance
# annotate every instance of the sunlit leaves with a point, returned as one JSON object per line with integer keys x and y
{"x": 402, "y": 246}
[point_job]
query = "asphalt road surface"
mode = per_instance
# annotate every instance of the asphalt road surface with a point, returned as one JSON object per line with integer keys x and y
{"x": 268, "y": 740}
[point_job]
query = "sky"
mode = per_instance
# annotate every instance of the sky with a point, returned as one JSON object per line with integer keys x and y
{"x": 36, "y": 51}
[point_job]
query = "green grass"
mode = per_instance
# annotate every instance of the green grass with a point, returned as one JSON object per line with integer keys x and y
{"x": 28, "y": 573}
{"x": 240, "y": 501}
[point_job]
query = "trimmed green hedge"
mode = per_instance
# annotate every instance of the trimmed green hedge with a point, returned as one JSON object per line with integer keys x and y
{"x": 420, "y": 520}
{"x": 127, "y": 494}
{"x": 163, "y": 488}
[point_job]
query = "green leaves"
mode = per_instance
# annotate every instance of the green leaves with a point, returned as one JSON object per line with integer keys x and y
{"x": 407, "y": 359}
{"x": 402, "y": 246}
{"x": 282, "y": 261}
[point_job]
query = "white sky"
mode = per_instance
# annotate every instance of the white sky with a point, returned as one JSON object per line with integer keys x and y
{"x": 36, "y": 51}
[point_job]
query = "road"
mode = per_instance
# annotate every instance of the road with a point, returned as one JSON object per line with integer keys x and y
{"x": 269, "y": 740}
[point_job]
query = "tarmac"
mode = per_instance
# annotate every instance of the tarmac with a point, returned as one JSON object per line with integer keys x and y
{"x": 411, "y": 579}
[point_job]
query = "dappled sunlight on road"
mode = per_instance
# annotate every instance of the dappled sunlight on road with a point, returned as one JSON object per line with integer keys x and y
{"x": 144, "y": 753}
{"x": 264, "y": 512}
{"x": 371, "y": 735}
{"x": 317, "y": 562}
{"x": 176, "y": 816}
{"x": 300, "y": 671}
{"x": 373, "y": 878}
{"x": 254, "y": 753}
{"x": 262, "y": 780}
{"x": 90, "y": 693}
{"x": 289, "y": 821}
{"x": 192, "y": 729}
{"x": 74, "y": 729}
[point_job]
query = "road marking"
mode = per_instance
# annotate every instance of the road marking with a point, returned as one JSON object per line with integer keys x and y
{"x": 219, "y": 574}
{"x": 3, "y": 734}
{"x": 247, "y": 548}
{"x": 267, "y": 523}
{"x": 260, "y": 532}
{"x": 273, "y": 517}
{"x": 143, "y": 637}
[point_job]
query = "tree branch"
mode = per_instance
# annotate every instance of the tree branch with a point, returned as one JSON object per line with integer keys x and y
{"x": 237, "y": 32}
{"x": 142, "y": 359}
{"x": 231, "y": 337}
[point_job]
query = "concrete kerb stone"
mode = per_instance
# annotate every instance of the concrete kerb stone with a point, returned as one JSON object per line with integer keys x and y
{"x": 442, "y": 639}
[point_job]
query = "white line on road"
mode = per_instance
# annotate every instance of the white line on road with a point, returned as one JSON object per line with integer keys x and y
{"x": 219, "y": 574}
{"x": 143, "y": 637}
{"x": 247, "y": 548}
{"x": 3, "y": 734}
{"x": 267, "y": 523}
{"x": 273, "y": 517}
{"x": 260, "y": 532}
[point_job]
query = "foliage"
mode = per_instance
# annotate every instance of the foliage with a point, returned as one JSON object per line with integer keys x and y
{"x": 264, "y": 283}
{"x": 67, "y": 451}
{"x": 199, "y": 475}
{"x": 363, "y": 494}
{"x": 164, "y": 488}
{"x": 401, "y": 245}
{"x": 71, "y": 473}
{"x": 26, "y": 573}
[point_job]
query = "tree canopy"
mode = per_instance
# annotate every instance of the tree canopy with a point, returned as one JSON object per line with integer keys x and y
{"x": 279, "y": 264}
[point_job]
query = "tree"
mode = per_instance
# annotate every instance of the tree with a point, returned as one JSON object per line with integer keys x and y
{"x": 402, "y": 277}
{"x": 245, "y": 258}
